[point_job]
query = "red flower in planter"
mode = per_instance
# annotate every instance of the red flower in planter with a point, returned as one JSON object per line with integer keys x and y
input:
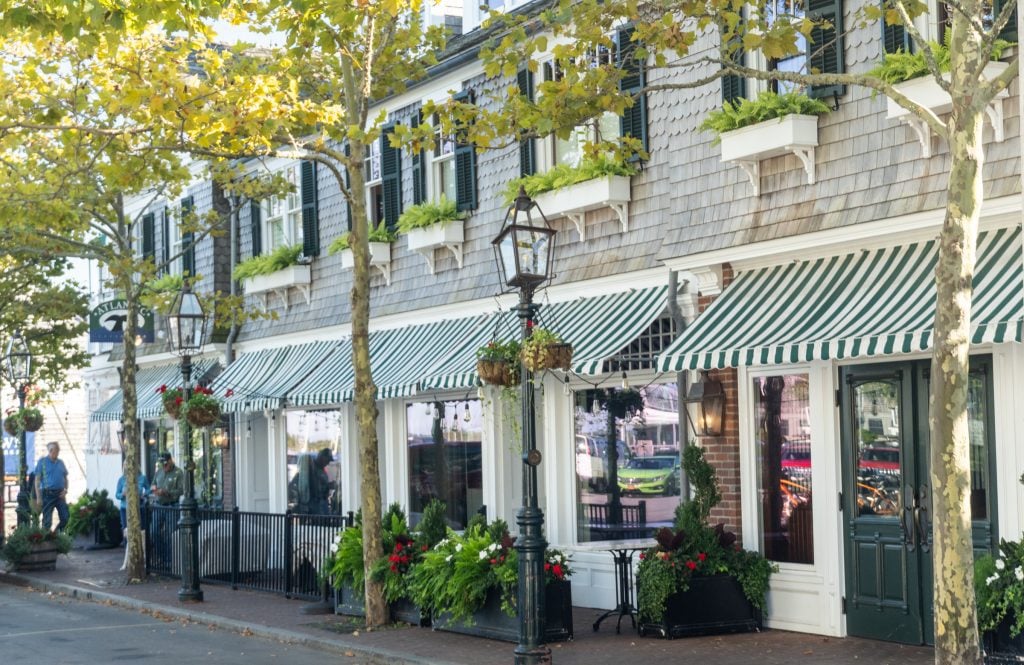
{"x": 692, "y": 565}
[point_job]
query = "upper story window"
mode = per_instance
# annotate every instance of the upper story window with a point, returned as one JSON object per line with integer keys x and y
{"x": 787, "y": 11}
{"x": 282, "y": 215}
{"x": 443, "y": 165}
{"x": 374, "y": 184}
{"x": 569, "y": 151}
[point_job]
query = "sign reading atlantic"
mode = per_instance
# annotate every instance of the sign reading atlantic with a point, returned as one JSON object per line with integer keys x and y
{"x": 107, "y": 322}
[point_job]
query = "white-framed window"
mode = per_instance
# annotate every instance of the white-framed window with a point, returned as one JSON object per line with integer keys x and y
{"x": 282, "y": 215}
{"x": 176, "y": 266}
{"x": 374, "y": 184}
{"x": 790, "y": 11}
{"x": 442, "y": 165}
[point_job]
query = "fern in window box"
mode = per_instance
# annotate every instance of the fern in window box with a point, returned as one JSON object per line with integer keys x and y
{"x": 901, "y": 66}
{"x": 379, "y": 233}
{"x": 768, "y": 106}
{"x": 429, "y": 213}
{"x": 268, "y": 264}
{"x": 563, "y": 175}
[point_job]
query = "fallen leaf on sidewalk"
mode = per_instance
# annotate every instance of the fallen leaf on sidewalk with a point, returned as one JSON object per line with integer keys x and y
{"x": 350, "y": 654}
{"x": 246, "y": 632}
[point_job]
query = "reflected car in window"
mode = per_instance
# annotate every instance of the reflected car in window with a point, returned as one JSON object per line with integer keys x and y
{"x": 650, "y": 475}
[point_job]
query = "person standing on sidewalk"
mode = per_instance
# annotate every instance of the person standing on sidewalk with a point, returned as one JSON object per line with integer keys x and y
{"x": 121, "y": 494}
{"x": 168, "y": 485}
{"x": 52, "y": 487}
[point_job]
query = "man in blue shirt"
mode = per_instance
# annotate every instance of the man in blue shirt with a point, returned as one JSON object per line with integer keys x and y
{"x": 52, "y": 487}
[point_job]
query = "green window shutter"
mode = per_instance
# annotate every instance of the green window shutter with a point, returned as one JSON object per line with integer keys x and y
{"x": 1009, "y": 33}
{"x": 310, "y": 214}
{"x": 390, "y": 177}
{"x": 149, "y": 236}
{"x": 348, "y": 186}
{"x": 419, "y": 171}
{"x": 465, "y": 165}
{"x": 896, "y": 38}
{"x": 527, "y": 146}
{"x": 828, "y": 60}
{"x": 165, "y": 236}
{"x": 734, "y": 87}
{"x": 188, "y": 257}
{"x": 256, "y": 227}
{"x": 634, "y": 119}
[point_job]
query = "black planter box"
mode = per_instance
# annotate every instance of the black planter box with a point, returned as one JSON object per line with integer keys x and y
{"x": 404, "y": 610}
{"x": 106, "y": 531}
{"x": 1000, "y": 647}
{"x": 348, "y": 602}
{"x": 491, "y": 622}
{"x": 711, "y": 605}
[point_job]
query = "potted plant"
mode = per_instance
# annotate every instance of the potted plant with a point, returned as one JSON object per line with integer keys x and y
{"x": 433, "y": 224}
{"x": 28, "y": 419}
{"x": 697, "y": 579}
{"x": 469, "y": 583}
{"x": 571, "y": 191}
{"x": 95, "y": 512}
{"x": 269, "y": 272}
{"x": 173, "y": 399}
{"x": 201, "y": 409}
{"x": 546, "y": 350}
{"x": 31, "y": 547}
{"x": 999, "y": 590}
{"x": 380, "y": 239}
{"x": 771, "y": 125}
{"x": 497, "y": 363}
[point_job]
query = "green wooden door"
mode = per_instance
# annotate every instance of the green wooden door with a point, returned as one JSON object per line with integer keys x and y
{"x": 887, "y": 495}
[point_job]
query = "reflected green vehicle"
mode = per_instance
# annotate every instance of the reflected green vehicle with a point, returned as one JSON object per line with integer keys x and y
{"x": 650, "y": 475}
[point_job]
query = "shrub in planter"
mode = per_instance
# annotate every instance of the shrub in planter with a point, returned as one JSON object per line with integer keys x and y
{"x": 31, "y": 547}
{"x": 94, "y": 512}
{"x": 498, "y": 363}
{"x": 999, "y": 591}
{"x": 696, "y": 551}
{"x": 768, "y": 105}
{"x": 545, "y": 350}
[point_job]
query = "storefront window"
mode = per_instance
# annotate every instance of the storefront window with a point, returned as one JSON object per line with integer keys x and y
{"x": 783, "y": 439}
{"x": 444, "y": 458}
{"x": 628, "y": 474}
{"x": 209, "y": 461}
{"x": 308, "y": 434}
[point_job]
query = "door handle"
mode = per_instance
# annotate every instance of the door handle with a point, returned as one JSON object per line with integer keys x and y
{"x": 909, "y": 535}
{"x": 921, "y": 524}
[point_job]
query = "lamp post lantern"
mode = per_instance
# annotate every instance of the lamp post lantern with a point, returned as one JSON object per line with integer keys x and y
{"x": 523, "y": 250}
{"x": 186, "y": 325}
{"x": 18, "y": 359}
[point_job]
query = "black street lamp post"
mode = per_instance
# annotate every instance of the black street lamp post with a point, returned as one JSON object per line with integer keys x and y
{"x": 19, "y": 370}
{"x": 186, "y": 323}
{"x": 523, "y": 250}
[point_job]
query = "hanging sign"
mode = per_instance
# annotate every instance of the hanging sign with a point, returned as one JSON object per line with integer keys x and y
{"x": 106, "y": 322}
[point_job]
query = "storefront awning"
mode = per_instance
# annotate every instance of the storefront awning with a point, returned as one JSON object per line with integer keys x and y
{"x": 262, "y": 379}
{"x": 869, "y": 303}
{"x": 147, "y": 381}
{"x": 597, "y": 327}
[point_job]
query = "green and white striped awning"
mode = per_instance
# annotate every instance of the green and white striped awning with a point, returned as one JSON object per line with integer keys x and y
{"x": 147, "y": 381}
{"x": 598, "y": 328}
{"x": 869, "y": 303}
{"x": 263, "y": 379}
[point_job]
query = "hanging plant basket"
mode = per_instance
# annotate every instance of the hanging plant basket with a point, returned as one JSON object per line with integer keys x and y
{"x": 202, "y": 415}
{"x": 173, "y": 403}
{"x": 11, "y": 425}
{"x": 496, "y": 372}
{"x": 31, "y": 420}
{"x": 549, "y": 356}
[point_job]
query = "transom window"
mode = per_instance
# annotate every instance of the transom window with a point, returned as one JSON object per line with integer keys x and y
{"x": 283, "y": 214}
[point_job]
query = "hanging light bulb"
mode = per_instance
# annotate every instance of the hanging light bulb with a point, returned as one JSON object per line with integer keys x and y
{"x": 466, "y": 415}
{"x": 565, "y": 386}
{"x": 430, "y": 409}
{"x": 435, "y": 413}
{"x": 625, "y": 381}
{"x": 595, "y": 408}
{"x": 479, "y": 389}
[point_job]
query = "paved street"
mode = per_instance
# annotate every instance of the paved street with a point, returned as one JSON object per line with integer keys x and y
{"x": 63, "y": 630}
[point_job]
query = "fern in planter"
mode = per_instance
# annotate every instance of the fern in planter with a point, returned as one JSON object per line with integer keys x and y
{"x": 564, "y": 175}
{"x": 159, "y": 293}
{"x": 767, "y": 106}
{"x": 900, "y": 66}
{"x": 379, "y": 233}
{"x": 429, "y": 213}
{"x": 267, "y": 264}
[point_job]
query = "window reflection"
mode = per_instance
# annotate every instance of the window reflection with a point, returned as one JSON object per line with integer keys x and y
{"x": 783, "y": 438}
{"x": 628, "y": 473}
{"x": 308, "y": 433}
{"x": 977, "y": 410}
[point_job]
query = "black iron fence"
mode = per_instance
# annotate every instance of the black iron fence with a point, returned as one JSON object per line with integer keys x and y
{"x": 246, "y": 550}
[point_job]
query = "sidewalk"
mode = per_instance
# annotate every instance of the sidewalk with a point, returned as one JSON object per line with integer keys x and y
{"x": 94, "y": 575}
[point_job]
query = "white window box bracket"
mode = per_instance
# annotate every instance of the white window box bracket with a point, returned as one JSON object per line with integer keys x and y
{"x": 926, "y": 92}
{"x": 298, "y": 276}
{"x": 575, "y": 201}
{"x": 380, "y": 258}
{"x": 448, "y": 236}
{"x": 791, "y": 134}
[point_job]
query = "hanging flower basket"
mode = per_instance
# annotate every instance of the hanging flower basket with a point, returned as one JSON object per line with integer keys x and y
{"x": 31, "y": 419}
{"x": 173, "y": 399}
{"x": 202, "y": 416}
{"x": 496, "y": 372}
{"x": 548, "y": 356}
{"x": 11, "y": 425}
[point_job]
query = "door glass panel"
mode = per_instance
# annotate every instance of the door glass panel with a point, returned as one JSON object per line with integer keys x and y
{"x": 977, "y": 410}
{"x": 877, "y": 432}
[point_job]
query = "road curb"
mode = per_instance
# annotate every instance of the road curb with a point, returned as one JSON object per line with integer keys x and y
{"x": 368, "y": 655}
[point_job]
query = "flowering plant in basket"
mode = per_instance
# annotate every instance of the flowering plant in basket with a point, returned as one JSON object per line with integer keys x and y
{"x": 498, "y": 362}
{"x": 546, "y": 350}
{"x": 173, "y": 400}
{"x": 201, "y": 409}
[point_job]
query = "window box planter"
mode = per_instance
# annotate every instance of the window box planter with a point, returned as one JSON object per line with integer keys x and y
{"x": 1000, "y": 648}
{"x": 380, "y": 258}
{"x": 925, "y": 91}
{"x": 791, "y": 134}
{"x": 491, "y": 622}
{"x": 575, "y": 201}
{"x": 448, "y": 235}
{"x": 295, "y": 276}
{"x": 713, "y": 604}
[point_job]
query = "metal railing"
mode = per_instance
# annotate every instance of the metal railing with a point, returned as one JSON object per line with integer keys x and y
{"x": 279, "y": 553}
